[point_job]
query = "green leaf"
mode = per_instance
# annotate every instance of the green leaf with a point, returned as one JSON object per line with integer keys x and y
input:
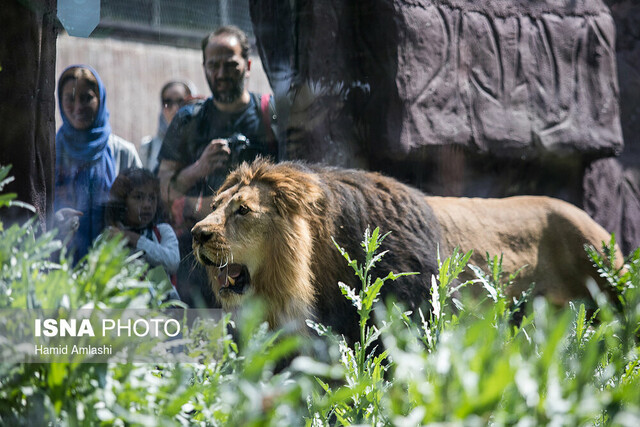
{"x": 581, "y": 323}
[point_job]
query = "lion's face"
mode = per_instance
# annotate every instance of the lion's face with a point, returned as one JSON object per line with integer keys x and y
{"x": 260, "y": 239}
{"x": 232, "y": 240}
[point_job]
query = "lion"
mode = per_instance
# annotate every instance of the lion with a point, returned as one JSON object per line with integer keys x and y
{"x": 271, "y": 227}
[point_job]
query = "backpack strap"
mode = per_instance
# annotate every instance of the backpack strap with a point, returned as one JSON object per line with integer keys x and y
{"x": 157, "y": 233}
{"x": 265, "y": 101}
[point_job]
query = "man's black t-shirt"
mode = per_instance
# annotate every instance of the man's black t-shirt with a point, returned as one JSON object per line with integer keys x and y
{"x": 195, "y": 125}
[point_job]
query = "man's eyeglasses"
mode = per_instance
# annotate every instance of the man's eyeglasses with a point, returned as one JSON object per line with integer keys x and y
{"x": 168, "y": 103}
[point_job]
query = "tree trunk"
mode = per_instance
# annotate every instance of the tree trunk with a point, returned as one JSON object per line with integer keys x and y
{"x": 27, "y": 126}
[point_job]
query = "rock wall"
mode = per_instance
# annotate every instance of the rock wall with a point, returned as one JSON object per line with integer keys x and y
{"x": 509, "y": 78}
{"x": 626, "y": 15}
{"x": 488, "y": 98}
{"x": 510, "y": 81}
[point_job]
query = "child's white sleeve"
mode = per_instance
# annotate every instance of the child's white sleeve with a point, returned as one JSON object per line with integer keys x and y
{"x": 165, "y": 253}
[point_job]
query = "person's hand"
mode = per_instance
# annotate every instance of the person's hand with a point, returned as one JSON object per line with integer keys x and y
{"x": 112, "y": 231}
{"x": 214, "y": 157}
{"x": 67, "y": 221}
{"x": 131, "y": 237}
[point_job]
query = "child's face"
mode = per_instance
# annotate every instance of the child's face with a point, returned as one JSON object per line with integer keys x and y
{"x": 141, "y": 206}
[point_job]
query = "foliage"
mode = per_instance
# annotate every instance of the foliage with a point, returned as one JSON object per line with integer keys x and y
{"x": 8, "y": 199}
{"x": 455, "y": 360}
{"x": 359, "y": 400}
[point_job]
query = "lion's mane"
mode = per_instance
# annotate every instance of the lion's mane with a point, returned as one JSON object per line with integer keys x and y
{"x": 301, "y": 270}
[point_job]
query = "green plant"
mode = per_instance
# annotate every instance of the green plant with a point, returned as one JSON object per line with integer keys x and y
{"x": 8, "y": 199}
{"x": 359, "y": 401}
{"x": 507, "y": 309}
{"x": 463, "y": 363}
{"x": 33, "y": 279}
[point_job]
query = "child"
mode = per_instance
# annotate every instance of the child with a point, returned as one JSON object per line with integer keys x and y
{"x": 133, "y": 210}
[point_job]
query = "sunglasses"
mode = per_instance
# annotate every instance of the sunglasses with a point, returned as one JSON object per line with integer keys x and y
{"x": 168, "y": 103}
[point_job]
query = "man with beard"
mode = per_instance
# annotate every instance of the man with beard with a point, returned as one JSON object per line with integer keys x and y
{"x": 205, "y": 141}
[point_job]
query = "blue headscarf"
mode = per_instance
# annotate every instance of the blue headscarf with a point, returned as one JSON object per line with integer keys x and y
{"x": 85, "y": 169}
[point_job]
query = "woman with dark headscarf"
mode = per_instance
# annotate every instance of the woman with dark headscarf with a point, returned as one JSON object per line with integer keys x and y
{"x": 88, "y": 156}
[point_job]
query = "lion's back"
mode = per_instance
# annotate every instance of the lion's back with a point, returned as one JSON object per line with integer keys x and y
{"x": 542, "y": 235}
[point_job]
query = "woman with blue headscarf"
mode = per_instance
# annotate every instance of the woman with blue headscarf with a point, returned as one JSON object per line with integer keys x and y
{"x": 88, "y": 157}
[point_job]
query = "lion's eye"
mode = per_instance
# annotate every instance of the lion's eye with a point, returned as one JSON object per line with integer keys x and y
{"x": 243, "y": 210}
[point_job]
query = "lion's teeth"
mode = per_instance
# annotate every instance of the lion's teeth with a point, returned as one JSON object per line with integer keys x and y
{"x": 231, "y": 280}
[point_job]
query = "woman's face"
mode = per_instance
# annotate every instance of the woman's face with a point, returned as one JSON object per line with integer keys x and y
{"x": 141, "y": 206}
{"x": 80, "y": 103}
{"x": 172, "y": 99}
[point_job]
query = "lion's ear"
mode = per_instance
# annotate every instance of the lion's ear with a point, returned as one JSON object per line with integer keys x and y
{"x": 297, "y": 194}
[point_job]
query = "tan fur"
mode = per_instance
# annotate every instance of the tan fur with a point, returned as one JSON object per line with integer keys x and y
{"x": 295, "y": 210}
{"x": 545, "y": 236}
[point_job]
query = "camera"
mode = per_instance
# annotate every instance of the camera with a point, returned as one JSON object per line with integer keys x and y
{"x": 242, "y": 150}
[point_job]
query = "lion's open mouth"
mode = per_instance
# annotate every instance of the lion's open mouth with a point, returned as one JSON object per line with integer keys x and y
{"x": 234, "y": 278}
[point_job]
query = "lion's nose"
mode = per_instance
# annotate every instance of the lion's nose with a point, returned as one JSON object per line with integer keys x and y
{"x": 200, "y": 235}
